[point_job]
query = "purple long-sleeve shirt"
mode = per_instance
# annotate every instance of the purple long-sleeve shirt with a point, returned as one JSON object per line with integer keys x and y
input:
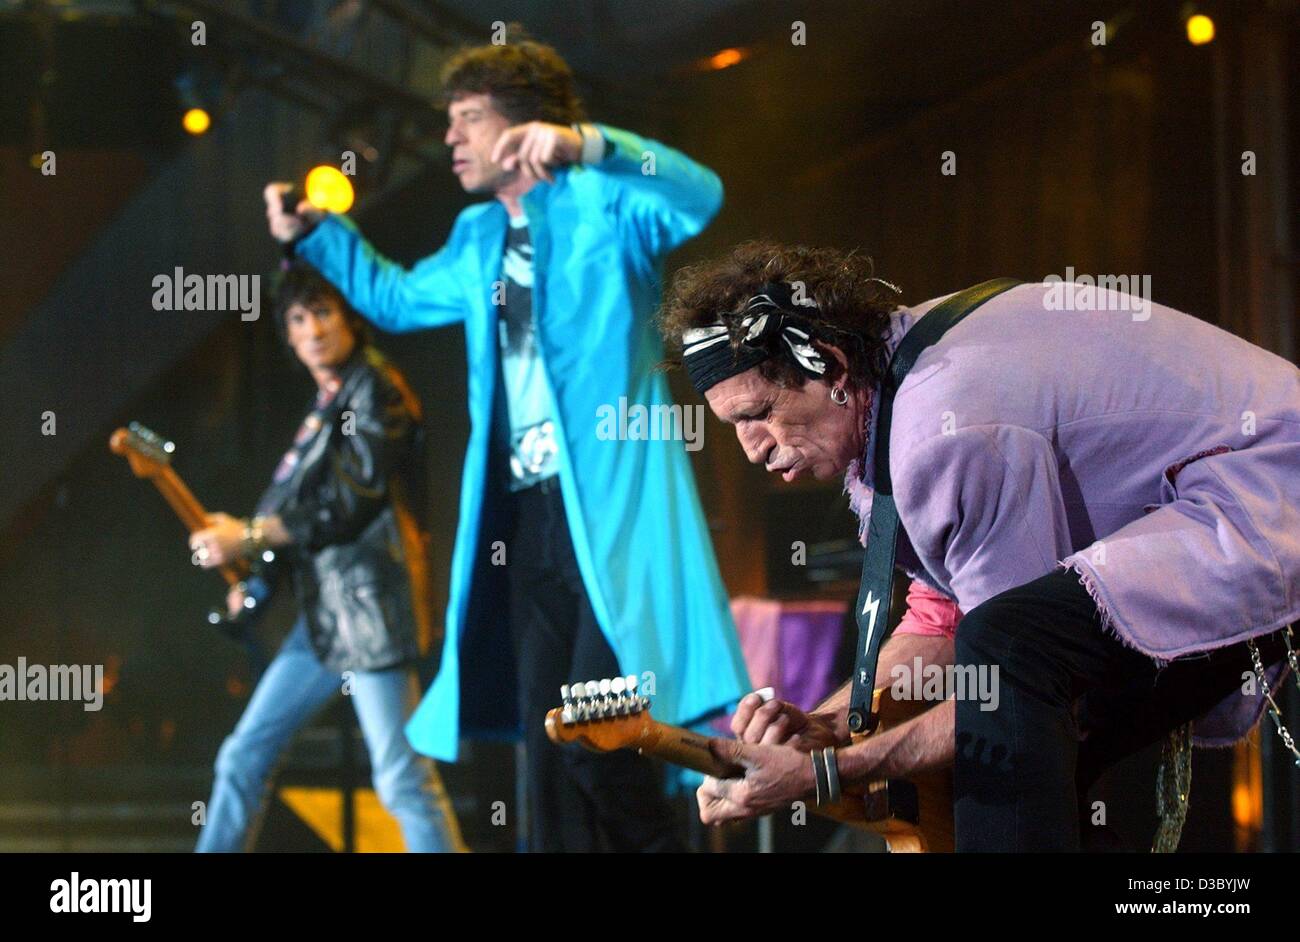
{"x": 1154, "y": 454}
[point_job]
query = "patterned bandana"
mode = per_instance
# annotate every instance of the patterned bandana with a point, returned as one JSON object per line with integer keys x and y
{"x": 771, "y": 327}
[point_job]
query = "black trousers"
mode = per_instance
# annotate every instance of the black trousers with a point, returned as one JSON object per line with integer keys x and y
{"x": 1021, "y": 773}
{"x": 579, "y": 801}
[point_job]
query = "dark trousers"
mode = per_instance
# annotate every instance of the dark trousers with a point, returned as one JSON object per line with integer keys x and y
{"x": 1021, "y": 773}
{"x": 578, "y": 800}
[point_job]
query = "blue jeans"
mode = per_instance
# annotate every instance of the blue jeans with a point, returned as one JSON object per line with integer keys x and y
{"x": 294, "y": 687}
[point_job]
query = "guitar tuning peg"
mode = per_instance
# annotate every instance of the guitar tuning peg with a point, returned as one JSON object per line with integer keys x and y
{"x": 604, "y": 686}
{"x": 631, "y": 684}
{"x": 593, "y": 688}
{"x": 564, "y": 692}
{"x": 618, "y": 695}
{"x": 581, "y": 705}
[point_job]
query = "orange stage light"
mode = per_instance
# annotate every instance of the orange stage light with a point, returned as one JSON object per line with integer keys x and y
{"x": 726, "y": 58}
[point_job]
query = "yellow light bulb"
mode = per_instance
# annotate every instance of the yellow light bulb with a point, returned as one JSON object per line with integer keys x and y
{"x": 329, "y": 189}
{"x": 196, "y": 121}
{"x": 1200, "y": 29}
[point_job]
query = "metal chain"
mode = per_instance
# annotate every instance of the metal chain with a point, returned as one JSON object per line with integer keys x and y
{"x": 1287, "y": 739}
{"x": 1174, "y": 777}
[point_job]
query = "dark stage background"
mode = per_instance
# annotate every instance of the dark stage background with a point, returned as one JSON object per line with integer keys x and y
{"x": 1117, "y": 159}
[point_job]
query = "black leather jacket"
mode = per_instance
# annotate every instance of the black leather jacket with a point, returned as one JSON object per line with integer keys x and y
{"x": 357, "y": 561}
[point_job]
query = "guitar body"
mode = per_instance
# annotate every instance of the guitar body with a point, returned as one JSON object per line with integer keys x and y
{"x": 912, "y": 816}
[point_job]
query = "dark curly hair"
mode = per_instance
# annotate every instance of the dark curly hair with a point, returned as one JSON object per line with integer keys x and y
{"x": 852, "y": 311}
{"x": 302, "y": 284}
{"x": 528, "y": 81}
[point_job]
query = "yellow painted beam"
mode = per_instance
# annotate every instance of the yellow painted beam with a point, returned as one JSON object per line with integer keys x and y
{"x": 321, "y": 809}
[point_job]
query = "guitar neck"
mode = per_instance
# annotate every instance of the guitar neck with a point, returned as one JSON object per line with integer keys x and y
{"x": 685, "y": 748}
{"x": 193, "y": 516}
{"x": 181, "y": 499}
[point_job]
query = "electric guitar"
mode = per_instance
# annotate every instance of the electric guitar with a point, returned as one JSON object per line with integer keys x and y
{"x": 912, "y": 816}
{"x": 149, "y": 456}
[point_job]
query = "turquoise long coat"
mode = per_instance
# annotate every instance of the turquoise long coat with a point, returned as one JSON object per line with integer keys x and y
{"x": 600, "y": 234}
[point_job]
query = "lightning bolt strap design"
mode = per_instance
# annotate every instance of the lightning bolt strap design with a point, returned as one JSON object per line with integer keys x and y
{"x": 870, "y": 607}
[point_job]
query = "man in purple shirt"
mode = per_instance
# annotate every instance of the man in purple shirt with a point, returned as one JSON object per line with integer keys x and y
{"x": 1109, "y": 490}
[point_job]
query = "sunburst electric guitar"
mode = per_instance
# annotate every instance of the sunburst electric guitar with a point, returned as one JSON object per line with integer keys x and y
{"x": 912, "y": 816}
{"x": 149, "y": 456}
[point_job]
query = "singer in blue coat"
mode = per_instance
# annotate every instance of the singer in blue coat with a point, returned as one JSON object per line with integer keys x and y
{"x": 599, "y": 209}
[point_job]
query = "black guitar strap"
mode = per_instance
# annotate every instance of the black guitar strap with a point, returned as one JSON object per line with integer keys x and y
{"x": 877, "y": 584}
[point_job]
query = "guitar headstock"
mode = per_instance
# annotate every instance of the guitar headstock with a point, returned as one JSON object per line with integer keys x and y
{"x": 602, "y": 715}
{"x": 147, "y": 452}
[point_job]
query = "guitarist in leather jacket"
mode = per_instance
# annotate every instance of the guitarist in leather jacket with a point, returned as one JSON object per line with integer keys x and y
{"x": 337, "y": 517}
